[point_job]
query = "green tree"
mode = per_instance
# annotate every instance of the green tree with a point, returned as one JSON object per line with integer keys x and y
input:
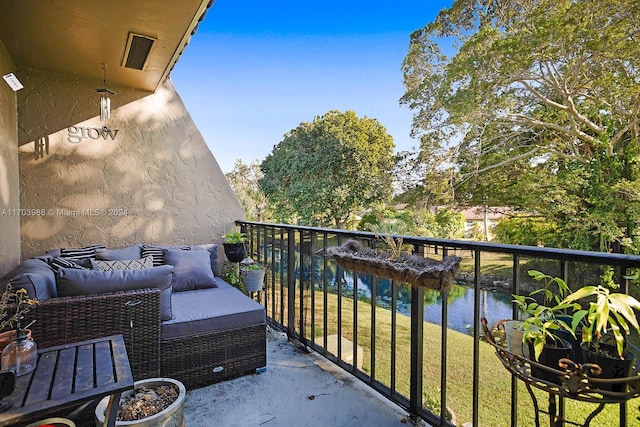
{"x": 444, "y": 224}
{"x": 536, "y": 102}
{"x": 324, "y": 171}
{"x": 387, "y": 220}
{"x": 420, "y": 183}
{"x": 244, "y": 182}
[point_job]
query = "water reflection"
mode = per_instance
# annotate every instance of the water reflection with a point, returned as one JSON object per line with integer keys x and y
{"x": 494, "y": 305}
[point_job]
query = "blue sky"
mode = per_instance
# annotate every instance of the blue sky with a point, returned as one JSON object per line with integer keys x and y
{"x": 255, "y": 69}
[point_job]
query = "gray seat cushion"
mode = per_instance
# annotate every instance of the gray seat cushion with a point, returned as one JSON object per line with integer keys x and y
{"x": 210, "y": 310}
{"x": 72, "y": 282}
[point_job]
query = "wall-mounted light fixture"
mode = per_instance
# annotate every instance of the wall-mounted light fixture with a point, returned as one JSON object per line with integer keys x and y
{"x": 105, "y": 96}
{"x": 13, "y": 82}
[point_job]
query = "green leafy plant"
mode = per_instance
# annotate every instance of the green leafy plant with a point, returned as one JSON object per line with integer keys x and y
{"x": 542, "y": 322}
{"x": 253, "y": 266}
{"x": 233, "y": 236}
{"x": 231, "y": 275}
{"x": 610, "y": 311}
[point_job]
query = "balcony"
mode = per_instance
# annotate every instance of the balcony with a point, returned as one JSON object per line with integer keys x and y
{"x": 375, "y": 329}
{"x": 297, "y": 389}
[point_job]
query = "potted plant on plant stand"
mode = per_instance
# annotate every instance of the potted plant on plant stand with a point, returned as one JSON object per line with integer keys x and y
{"x": 539, "y": 334}
{"x": 610, "y": 314}
{"x": 234, "y": 245}
{"x": 542, "y": 324}
{"x": 252, "y": 274}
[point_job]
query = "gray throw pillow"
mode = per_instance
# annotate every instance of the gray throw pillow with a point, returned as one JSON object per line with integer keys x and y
{"x": 130, "y": 252}
{"x": 192, "y": 269}
{"x": 157, "y": 252}
{"x": 72, "y": 282}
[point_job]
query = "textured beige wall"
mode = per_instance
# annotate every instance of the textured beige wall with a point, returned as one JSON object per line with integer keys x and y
{"x": 9, "y": 186}
{"x": 156, "y": 181}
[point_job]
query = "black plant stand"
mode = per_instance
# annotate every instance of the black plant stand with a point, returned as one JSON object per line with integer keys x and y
{"x": 575, "y": 383}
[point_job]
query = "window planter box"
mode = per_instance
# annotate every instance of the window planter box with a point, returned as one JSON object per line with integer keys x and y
{"x": 413, "y": 269}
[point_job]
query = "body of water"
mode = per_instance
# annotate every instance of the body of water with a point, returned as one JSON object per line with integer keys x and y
{"x": 494, "y": 305}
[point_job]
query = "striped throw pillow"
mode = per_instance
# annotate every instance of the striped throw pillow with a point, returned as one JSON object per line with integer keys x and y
{"x": 157, "y": 252}
{"x": 80, "y": 253}
{"x": 57, "y": 263}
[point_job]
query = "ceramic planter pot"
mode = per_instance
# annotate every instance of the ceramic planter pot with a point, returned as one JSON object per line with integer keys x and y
{"x": 553, "y": 351}
{"x": 612, "y": 366}
{"x": 514, "y": 337}
{"x": 235, "y": 252}
{"x": 253, "y": 280}
{"x": 171, "y": 416}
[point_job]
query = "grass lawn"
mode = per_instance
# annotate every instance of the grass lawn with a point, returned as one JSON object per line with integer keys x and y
{"x": 495, "y": 381}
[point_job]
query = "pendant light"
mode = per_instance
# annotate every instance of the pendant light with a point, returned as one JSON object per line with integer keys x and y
{"x": 105, "y": 96}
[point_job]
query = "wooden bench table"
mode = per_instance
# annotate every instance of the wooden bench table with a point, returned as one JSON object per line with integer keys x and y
{"x": 70, "y": 375}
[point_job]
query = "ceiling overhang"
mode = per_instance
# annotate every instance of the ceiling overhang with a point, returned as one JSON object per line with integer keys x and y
{"x": 77, "y": 36}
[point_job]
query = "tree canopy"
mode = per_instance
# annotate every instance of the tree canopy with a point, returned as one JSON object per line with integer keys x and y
{"x": 322, "y": 172}
{"x": 244, "y": 182}
{"x": 535, "y": 103}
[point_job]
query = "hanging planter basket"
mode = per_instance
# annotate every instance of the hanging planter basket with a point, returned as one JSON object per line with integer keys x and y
{"x": 413, "y": 269}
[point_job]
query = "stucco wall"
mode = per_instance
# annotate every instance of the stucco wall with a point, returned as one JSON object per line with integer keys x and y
{"x": 9, "y": 185}
{"x": 151, "y": 178}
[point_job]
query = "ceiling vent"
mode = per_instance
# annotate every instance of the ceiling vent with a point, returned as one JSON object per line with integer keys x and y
{"x": 137, "y": 51}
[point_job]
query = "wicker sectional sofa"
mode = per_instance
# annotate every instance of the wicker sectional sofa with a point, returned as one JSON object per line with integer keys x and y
{"x": 197, "y": 334}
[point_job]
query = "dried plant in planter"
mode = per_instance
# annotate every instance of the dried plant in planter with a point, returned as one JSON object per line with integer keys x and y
{"x": 146, "y": 401}
{"x": 400, "y": 266}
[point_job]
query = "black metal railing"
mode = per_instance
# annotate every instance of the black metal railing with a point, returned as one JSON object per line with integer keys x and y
{"x": 363, "y": 323}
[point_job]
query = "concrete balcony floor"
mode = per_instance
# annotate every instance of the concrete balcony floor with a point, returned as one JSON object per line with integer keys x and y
{"x": 297, "y": 389}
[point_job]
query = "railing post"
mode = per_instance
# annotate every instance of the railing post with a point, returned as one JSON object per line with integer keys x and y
{"x": 476, "y": 336}
{"x": 291, "y": 282}
{"x": 301, "y": 285}
{"x": 444, "y": 321}
{"x": 417, "y": 355}
{"x": 515, "y": 289}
